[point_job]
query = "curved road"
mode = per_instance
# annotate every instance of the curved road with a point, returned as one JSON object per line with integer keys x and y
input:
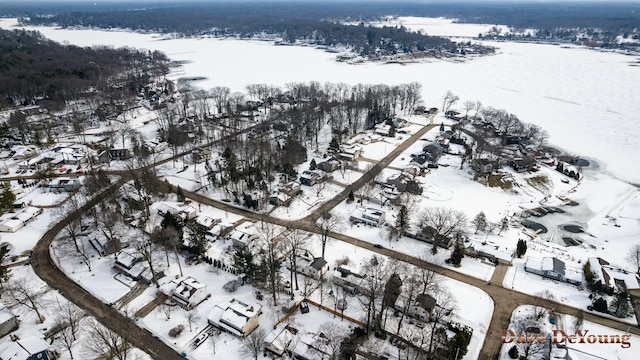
{"x": 505, "y": 300}
{"x": 108, "y": 316}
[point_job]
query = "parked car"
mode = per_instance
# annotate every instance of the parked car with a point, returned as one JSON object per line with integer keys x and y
{"x": 200, "y": 339}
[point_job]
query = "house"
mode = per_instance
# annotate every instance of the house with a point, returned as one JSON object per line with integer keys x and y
{"x": 200, "y": 155}
{"x": 315, "y": 268}
{"x": 28, "y": 348}
{"x": 553, "y": 268}
{"x": 8, "y": 321}
{"x": 432, "y": 152}
{"x": 278, "y": 198}
{"x": 612, "y": 277}
{"x": 291, "y": 188}
{"x": 235, "y": 317}
{"x": 483, "y": 166}
{"x": 244, "y": 234}
{"x": 279, "y": 340}
{"x": 348, "y": 278}
{"x": 119, "y": 154}
{"x": 421, "y": 308}
{"x": 105, "y": 245}
{"x": 11, "y": 225}
{"x": 399, "y": 181}
{"x": 206, "y": 222}
{"x": 130, "y": 264}
{"x": 522, "y": 164}
{"x": 65, "y": 184}
{"x": 330, "y": 165}
{"x": 184, "y": 212}
{"x": 28, "y": 214}
{"x": 382, "y": 129}
{"x": 349, "y": 152}
{"x": 187, "y": 292}
{"x": 311, "y": 177}
{"x": 368, "y": 216}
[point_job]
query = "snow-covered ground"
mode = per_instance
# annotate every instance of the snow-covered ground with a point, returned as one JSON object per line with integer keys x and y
{"x": 581, "y": 97}
{"x": 589, "y": 343}
{"x": 559, "y": 89}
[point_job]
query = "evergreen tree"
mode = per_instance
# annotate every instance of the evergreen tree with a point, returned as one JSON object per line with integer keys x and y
{"x": 442, "y": 127}
{"x": 621, "y": 305}
{"x": 402, "y": 221}
{"x": 313, "y": 165}
{"x": 180, "y": 194}
{"x": 600, "y": 305}
{"x": 351, "y": 197}
{"x": 521, "y": 248}
{"x": 334, "y": 146}
{"x": 513, "y": 352}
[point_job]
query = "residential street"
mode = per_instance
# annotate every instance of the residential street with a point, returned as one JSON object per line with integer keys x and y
{"x": 505, "y": 300}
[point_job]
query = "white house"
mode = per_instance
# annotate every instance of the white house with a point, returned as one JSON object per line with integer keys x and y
{"x": 8, "y": 321}
{"x": 315, "y": 268}
{"x": 235, "y": 317}
{"x": 244, "y": 234}
{"x": 187, "y": 292}
{"x": 11, "y": 225}
{"x": 130, "y": 264}
{"x": 28, "y": 348}
{"x": 368, "y": 216}
{"x": 28, "y": 214}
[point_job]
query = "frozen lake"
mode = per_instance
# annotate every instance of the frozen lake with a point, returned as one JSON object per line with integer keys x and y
{"x": 585, "y": 99}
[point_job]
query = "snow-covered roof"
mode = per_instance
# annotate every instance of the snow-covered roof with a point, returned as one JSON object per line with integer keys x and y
{"x": 23, "y": 348}
{"x": 5, "y": 314}
{"x": 233, "y": 315}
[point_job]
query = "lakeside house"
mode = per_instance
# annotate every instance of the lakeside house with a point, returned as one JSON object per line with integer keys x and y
{"x": 553, "y": 268}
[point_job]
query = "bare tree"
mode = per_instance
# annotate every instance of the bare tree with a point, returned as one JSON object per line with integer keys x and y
{"x": 542, "y": 303}
{"x": 579, "y": 321}
{"x": 102, "y": 342}
{"x": 327, "y": 223}
{"x": 371, "y": 287}
{"x": 633, "y": 257}
{"x": 448, "y": 101}
{"x": 220, "y": 96}
{"x": 192, "y": 317}
{"x": 26, "y": 293}
{"x": 440, "y": 223}
{"x": 329, "y": 340}
{"x": 73, "y": 228}
{"x": 252, "y": 344}
{"x": 468, "y": 106}
{"x": 295, "y": 240}
{"x": 148, "y": 252}
{"x": 319, "y": 187}
{"x": 537, "y": 341}
{"x": 68, "y": 325}
{"x": 272, "y": 245}
{"x": 445, "y": 305}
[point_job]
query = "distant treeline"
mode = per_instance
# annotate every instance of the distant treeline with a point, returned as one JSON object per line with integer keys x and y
{"x": 315, "y": 23}
{"x": 247, "y": 17}
{"x": 32, "y": 66}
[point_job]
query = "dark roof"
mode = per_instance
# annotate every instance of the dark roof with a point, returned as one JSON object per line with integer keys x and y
{"x": 426, "y": 301}
{"x": 318, "y": 263}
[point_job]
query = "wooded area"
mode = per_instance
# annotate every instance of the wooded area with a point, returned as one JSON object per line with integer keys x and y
{"x": 32, "y": 66}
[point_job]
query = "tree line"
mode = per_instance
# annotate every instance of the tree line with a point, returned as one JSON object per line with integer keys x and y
{"x": 34, "y": 67}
